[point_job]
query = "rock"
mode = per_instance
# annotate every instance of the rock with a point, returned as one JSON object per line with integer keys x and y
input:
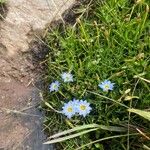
{"x": 25, "y": 21}
{"x": 25, "y": 17}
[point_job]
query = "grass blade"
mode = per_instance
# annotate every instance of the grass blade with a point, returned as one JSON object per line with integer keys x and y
{"x": 146, "y": 147}
{"x": 75, "y": 129}
{"x": 69, "y": 137}
{"x": 108, "y": 99}
{"x": 113, "y": 128}
{"x": 103, "y": 139}
{"x": 142, "y": 113}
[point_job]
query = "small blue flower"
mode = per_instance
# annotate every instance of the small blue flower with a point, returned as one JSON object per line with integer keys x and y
{"x": 83, "y": 108}
{"x": 69, "y": 110}
{"x": 75, "y": 102}
{"x": 54, "y": 86}
{"x": 106, "y": 85}
{"x": 67, "y": 77}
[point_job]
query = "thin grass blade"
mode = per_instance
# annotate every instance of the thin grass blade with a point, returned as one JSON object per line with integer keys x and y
{"x": 74, "y": 129}
{"x": 69, "y": 137}
{"x": 103, "y": 139}
{"x": 113, "y": 128}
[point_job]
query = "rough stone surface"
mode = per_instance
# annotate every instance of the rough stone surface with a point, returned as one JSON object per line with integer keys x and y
{"x": 19, "y": 120}
{"x": 25, "y": 17}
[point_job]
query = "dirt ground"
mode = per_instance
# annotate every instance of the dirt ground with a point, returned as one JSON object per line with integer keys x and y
{"x": 20, "y": 120}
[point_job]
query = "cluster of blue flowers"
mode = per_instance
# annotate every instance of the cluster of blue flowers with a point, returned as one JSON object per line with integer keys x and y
{"x": 81, "y": 107}
{"x": 66, "y": 77}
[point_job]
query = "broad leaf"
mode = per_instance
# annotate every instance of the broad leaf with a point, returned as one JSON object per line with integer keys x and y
{"x": 142, "y": 113}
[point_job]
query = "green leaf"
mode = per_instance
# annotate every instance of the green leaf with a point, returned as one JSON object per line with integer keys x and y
{"x": 99, "y": 146}
{"x": 142, "y": 113}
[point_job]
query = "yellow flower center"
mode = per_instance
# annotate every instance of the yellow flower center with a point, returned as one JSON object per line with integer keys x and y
{"x": 55, "y": 86}
{"x": 82, "y": 107}
{"x": 67, "y": 78}
{"x": 70, "y": 109}
{"x": 106, "y": 86}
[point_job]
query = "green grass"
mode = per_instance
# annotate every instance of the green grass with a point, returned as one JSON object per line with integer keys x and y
{"x": 2, "y": 1}
{"x": 3, "y": 9}
{"x": 110, "y": 41}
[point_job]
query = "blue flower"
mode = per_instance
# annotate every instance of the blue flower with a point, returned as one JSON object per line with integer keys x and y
{"x": 106, "y": 85}
{"x": 54, "y": 86}
{"x": 83, "y": 108}
{"x": 69, "y": 110}
{"x": 75, "y": 102}
{"x": 67, "y": 77}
